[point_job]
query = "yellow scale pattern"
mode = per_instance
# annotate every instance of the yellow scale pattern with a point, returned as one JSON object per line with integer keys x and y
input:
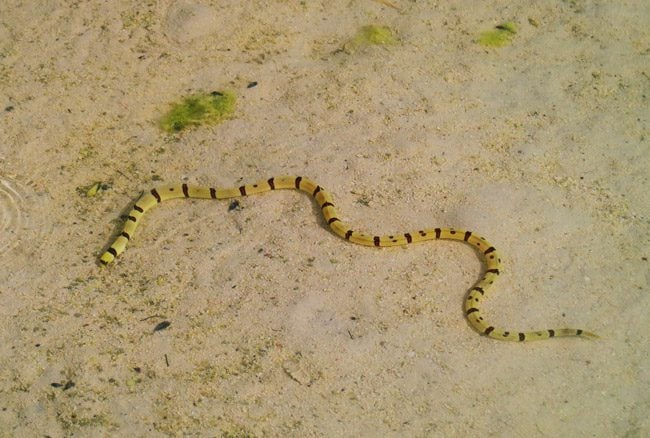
{"x": 325, "y": 201}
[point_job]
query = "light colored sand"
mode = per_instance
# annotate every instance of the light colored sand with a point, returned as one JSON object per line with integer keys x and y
{"x": 277, "y": 326}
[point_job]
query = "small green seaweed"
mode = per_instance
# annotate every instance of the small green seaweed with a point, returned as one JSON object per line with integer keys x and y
{"x": 500, "y": 36}
{"x": 199, "y": 109}
{"x": 90, "y": 191}
{"x": 371, "y": 35}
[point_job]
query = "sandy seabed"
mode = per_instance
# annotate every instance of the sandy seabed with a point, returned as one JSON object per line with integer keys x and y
{"x": 277, "y": 326}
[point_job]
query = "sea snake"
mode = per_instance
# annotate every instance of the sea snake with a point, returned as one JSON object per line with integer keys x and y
{"x": 330, "y": 213}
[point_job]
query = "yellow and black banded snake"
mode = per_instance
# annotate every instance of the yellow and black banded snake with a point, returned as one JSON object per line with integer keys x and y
{"x": 325, "y": 201}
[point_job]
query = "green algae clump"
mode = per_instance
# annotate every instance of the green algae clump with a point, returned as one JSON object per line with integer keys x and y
{"x": 93, "y": 189}
{"x": 500, "y": 36}
{"x": 370, "y": 36}
{"x": 199, "y": 109}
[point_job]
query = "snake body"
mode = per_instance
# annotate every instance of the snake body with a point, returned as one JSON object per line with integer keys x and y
{"x": 325, "y": 201}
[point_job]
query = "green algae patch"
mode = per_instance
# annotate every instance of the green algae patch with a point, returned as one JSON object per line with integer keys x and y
{"x": 93, "y": 189}
{"x": 199, "y": 109}
{"x": 370, "y": 36}
{"x": 500, "y": 36}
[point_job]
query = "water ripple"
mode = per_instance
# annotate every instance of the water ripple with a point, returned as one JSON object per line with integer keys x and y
{"x": 12, "y": 214}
